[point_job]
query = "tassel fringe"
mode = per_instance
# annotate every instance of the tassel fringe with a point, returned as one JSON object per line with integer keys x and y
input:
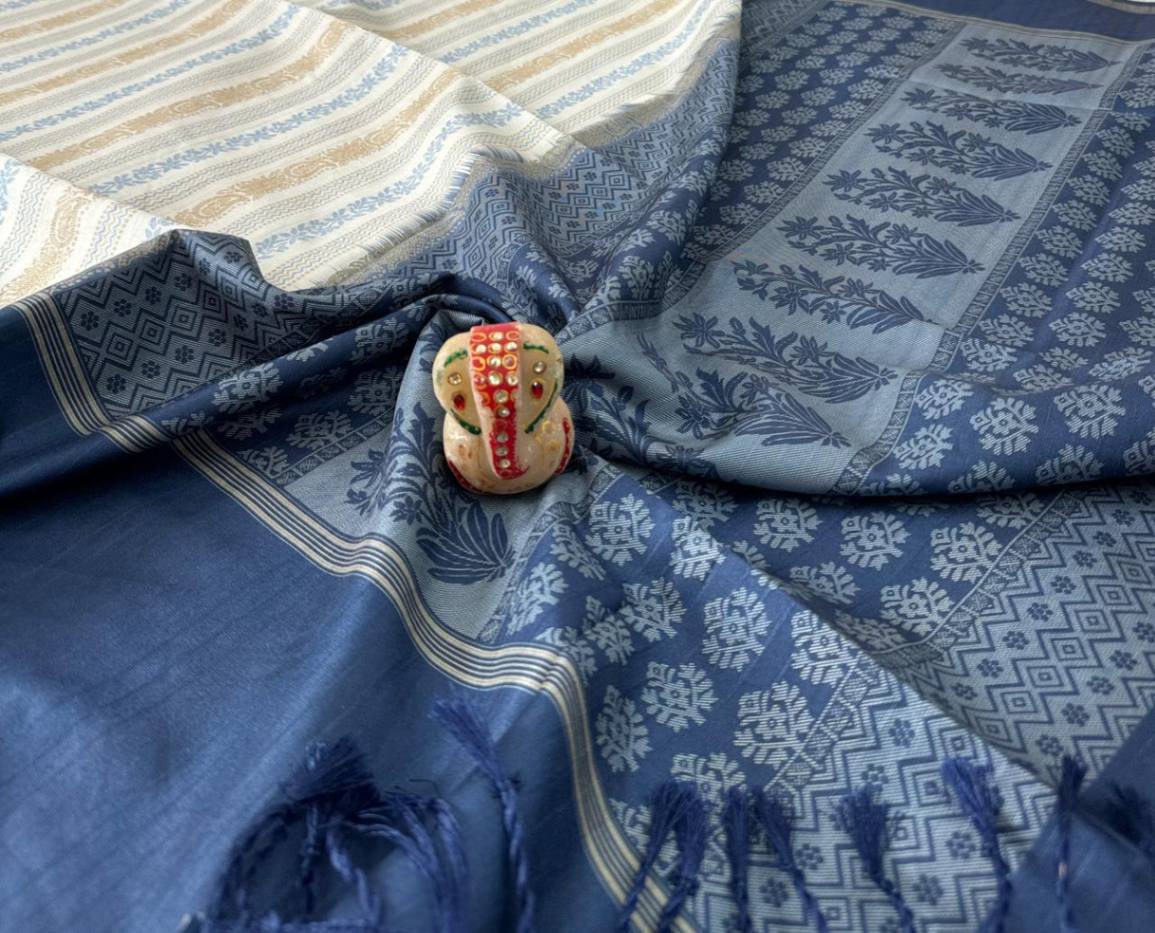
{"x": 776, "y": 825}
{"x": 865, "y": 822}
{"x": 463, "y": 723}
{"x": 736, "y": 820}
{"x": 979, "y": 801}
{"x": 1070, "y": 780}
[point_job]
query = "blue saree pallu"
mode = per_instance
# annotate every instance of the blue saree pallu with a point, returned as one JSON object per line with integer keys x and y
{"x": 842, "y": 616}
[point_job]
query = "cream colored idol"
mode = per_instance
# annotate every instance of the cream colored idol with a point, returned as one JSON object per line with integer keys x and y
{"x": 507, "y": 428}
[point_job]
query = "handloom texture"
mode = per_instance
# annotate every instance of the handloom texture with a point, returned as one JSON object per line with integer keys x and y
{"x": 841, "y": 617}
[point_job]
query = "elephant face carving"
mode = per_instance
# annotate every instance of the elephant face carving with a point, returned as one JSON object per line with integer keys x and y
{"x": 507, "y": 428}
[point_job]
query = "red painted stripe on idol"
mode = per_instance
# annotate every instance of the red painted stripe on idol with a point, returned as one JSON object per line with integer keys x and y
{"x": 494, "y": 358}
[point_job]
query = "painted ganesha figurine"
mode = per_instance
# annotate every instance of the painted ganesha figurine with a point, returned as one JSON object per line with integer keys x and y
{"x": 507, "y": 428}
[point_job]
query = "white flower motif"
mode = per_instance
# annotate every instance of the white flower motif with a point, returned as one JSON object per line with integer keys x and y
{"x": 872, "y": 540}
{"x": 1121, "y": 364}
{"x": 1141, "y": 330}
{"x": 785, "y": 523}
{"x": 983, "y": 476}
{"x": 1095, "y": 297}
{"x": 962, "y": 553}
{"x": 1110, "y": 267}
{"x": 773, "y": 724}
{"x": 1072, "y": 465}
{"x": 250, "y": 387}
{"x": 1079, "y": 216}
{"x": 942, "y": 397}
{"x": 244, "y": 426}
{"x": 713, "y": 774}
{"x": 1139, "y": 458}
{"x": 1044, "y": 269}
{"x": 1006, "y": 426}
{"x": 541, "y": 587}
{"x": 271, "y": 460}
{"x": 652, "y": 610}
{"x": 570, "y": 643}
{"x": 696, "y": 551}
{"x": 1128, "y": 239}
{"x": 1007, "y": 330}
{"x": 607, "y": 631}
{"x": 982, "y": 356}
{"x": 375, "y": 340}
{"x": 706, "y": 506}
{"x": 1026, "y": 299}
{"x": 735, "y": 625}
{"x": 375, "y": 392}
{"x": 1091, "y": 411}
{"x": 1061, "y": 241}
{"x": 821, "y": 655}
{"x": 621, "y": 732}
{"x": 1078, "y": 329}
{"x": 570, "y": 551}
{"x": 317, "y": 430}
{"x": 1016, "y": 511}
{"x": 618, "y": 531}
{"x": 827, "y": 580}
{"x": 917, "y": 607}
{"x": 678, "y": 696}
{"x": 925, "y": 448}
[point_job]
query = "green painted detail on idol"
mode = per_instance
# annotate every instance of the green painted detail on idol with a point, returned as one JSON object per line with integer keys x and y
{"x": 541, "y": 414}
{"x": 535, "y": 346}
{"x": 471, "y": 428}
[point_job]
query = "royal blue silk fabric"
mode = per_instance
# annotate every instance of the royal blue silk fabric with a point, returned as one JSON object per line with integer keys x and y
{"x": 860, "y": 343}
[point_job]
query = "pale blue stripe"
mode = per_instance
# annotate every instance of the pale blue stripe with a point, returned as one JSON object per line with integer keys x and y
{"x": 371, "y": 5}
{"x": 624, "y": 71}
{"x": 511, "y": 32}
{"x": 83, "y": 41}
{"x": 6, "y": 175}
{"x": 278, "y": 26}
{"x": 279, "y": 242}
{"x": 155, "y": 170}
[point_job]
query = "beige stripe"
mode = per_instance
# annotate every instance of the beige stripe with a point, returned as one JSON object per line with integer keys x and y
{"x": 71, "y": 18}
{"x": 127, "y": 57}
{"x": 52, "y": 258}
{"x": 537, "y": 65}
{"x": 179, "y": 110}
{"x": 294, "y": 174}
{"x": 440, "y": 19}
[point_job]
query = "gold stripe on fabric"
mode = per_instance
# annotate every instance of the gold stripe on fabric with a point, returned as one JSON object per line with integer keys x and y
{"x": 294, "y": 174}
{"x": 584, "y": 43}
{"x": 52, "y": 257}
{"x": 440, "y": 19}
{"x": 71, "y": 18}
{"x": 212, "y": 100}
{"x": 129, "y": 56}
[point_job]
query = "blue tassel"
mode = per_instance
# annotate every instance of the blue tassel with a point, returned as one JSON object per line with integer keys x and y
{"x": 690, "y": 836}
{"x": 865, "y": 822}
{"x": 979, "y": 801}
{"x": 460, "y": 719}
{"x": 667, "y": 808}
{"x": 332, "y": 782}
{"x": 1133, "y": 818}
{"x": 1070, "y": 780}
{"x": 401, "y": 820}
{"x": 776, "y": 825}
{"x": 736, "y": 821}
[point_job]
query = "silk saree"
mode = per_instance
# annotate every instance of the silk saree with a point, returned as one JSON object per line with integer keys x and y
{"x": 839, "y": 619}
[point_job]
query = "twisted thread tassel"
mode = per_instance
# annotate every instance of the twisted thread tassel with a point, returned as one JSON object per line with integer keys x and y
{"x": 463, "y": 723}
{"x": 776, "y": 824}
{"x": 979, "y": 801}
{"x": 865, "y": 822}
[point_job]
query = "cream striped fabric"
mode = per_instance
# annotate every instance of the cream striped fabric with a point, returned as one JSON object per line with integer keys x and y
{"x": 326, "y": 135}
